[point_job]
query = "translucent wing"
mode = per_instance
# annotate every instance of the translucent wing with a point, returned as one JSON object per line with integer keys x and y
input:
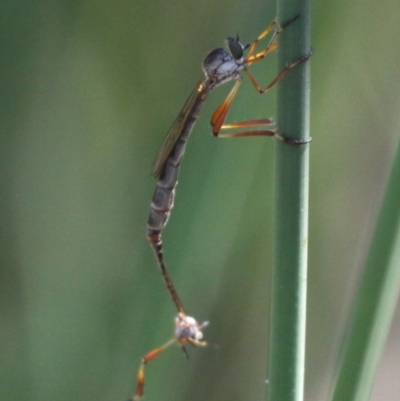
{"x": 177, "y": 127}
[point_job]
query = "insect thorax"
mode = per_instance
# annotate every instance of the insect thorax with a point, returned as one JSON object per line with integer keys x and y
{"x": 219, "y": 66}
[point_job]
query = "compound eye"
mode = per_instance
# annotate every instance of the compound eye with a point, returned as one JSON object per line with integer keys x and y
{"x": 235, "y": 47}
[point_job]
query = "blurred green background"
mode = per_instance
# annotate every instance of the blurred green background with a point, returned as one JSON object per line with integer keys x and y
{"x": 88, "y": 92}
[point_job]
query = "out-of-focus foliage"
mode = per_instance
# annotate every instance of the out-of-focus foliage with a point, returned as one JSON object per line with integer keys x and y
{"x": 88, "y": 91}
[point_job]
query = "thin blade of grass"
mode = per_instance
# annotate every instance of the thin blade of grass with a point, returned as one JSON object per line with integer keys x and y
{"x": 375, "y": 301}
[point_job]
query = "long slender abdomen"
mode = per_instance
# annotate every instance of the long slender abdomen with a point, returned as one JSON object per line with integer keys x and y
{"x": 161, "y": 205}
{"x": 163, "y": 198}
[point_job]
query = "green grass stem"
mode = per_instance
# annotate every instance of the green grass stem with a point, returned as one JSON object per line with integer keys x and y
{"x": 289, "y": 286}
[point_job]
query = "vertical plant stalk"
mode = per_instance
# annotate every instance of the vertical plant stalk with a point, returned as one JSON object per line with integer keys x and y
{"x": 375, "y": 301}
{"x": 289, "y": 286}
